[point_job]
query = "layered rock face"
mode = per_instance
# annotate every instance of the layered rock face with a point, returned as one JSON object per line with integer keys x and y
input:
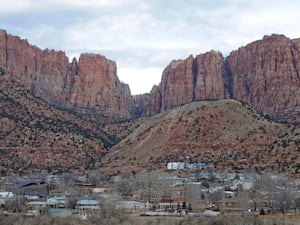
{"x": 209, "y": 74}
{"x": 149, "y": 104}
{"x": 193, "y": 79}
{"x": 90, "y": 85}
{"x": 44, "y": 72}
{"x": 96, "y": 87}
{"x": 265, "y": 74}
{"x": 177, "y": 83}
{"x": 185, "y": 81}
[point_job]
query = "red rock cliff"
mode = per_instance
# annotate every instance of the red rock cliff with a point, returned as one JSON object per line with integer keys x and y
{"x": 43, "y": 72}
{"x": 149, "y": 104}
{"x": 265, "y": 74}
{"x": 97, "y": 87}
{"x": 185, "y": 81}
{"x": 177, "y": 83}
{"x": 193, "y": 79}
{"x": 90, "y": 85}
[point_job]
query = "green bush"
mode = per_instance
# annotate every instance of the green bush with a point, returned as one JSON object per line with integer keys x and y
{"x": 2, "y": 71}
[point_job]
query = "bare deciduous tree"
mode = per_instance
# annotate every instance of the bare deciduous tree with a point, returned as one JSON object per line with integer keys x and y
{"x": 126, "y": 188}
{"x": 275, "y": 192}
{"x": 67, "y": 179}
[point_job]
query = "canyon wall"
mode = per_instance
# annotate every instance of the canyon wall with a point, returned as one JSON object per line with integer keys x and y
{"x": 264, "y": 74}
{"x": 90, "y": 85}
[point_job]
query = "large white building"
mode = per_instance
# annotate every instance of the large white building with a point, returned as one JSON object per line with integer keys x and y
{"x": 183, "y": 165}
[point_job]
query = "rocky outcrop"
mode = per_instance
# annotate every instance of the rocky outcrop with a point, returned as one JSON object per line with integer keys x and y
{"x": 149, "y": 104}
{"x": 193, "y": 79}
{"x": 185, "y": 81}
{"x": 96, "y": 87}
{"x": 208, "y": 72}
{"x": 155, "y": 101}
{"x": 265, "y": 74}
{"x": 43, "y": 72}
{"x": 177, "y": 83}
{"x": 90, "y": 85}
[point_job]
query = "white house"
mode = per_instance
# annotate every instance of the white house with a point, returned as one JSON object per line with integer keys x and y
{"x": 172, "y": 166}
{"x": 175, "y": 165}
{"x": 229, "y": 194}
{"x": 88, "y": 204}
{"x": 6, "y": 194}
{"x": 37, "y": 204}
{"x": 183, "y": 165}
{"x": 32, "y": 213}
{"x": 57, "y": 201}
{"x": 132, "y": 205}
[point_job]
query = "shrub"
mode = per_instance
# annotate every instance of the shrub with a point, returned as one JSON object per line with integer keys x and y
{"x": 2, "y": 71}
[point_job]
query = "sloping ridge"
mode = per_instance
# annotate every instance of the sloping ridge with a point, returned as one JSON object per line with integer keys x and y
{"x": 225, "y": 133}
{"x": 37, "y": 135}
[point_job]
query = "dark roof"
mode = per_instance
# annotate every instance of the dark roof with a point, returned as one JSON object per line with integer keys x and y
{"x": 23, "y": 184}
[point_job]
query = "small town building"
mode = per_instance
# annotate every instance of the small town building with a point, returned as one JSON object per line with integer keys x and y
{"x": 85, "y": 204}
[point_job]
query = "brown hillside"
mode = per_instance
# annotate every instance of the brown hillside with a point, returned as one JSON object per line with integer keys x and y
{"x": 36, "y": 135}
{"x": 227, "y": 133}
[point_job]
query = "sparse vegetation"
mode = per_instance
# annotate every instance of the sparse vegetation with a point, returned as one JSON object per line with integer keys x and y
{"x": 211, "y": 131}
{"x": 223, "y": 132}
{"x": 29, "y": 123}
{"x": 2, "y": 71}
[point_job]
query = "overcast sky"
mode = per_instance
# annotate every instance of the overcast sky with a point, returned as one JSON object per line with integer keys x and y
{"x": 143, "y": 36}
